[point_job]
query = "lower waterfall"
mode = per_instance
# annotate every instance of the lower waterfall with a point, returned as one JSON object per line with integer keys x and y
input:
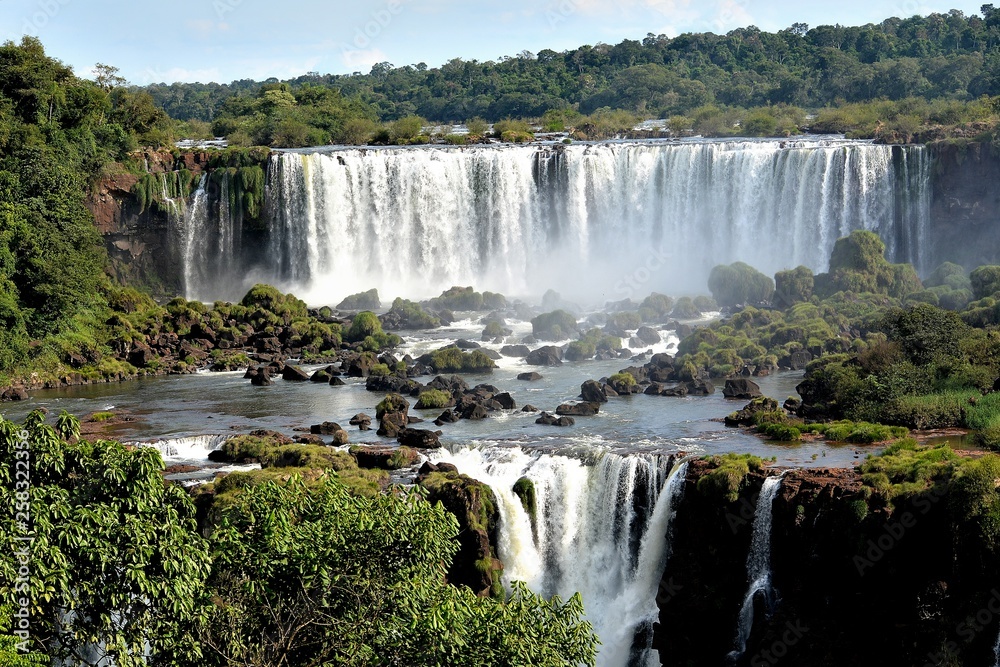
{"x": 602, "y": 530}
{"x": 758, "y": 565}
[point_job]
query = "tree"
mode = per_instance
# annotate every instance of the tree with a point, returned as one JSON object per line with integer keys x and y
{"x": 117, "y": 565}
{"x": 107, "y": 77}
{"x": 302, "y": 572}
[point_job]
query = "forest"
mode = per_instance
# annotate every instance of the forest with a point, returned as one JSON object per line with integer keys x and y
{"x": 705, "y": 82}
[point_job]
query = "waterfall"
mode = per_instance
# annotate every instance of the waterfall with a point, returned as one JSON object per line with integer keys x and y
{"x": 602, "y": 530}
{"x": 639, "y": 216}
{"x": 212, "y": 242}
{"x": 996, "y": 652}
{"x": 758, "y": 565}
{"x": 193, "y": 448}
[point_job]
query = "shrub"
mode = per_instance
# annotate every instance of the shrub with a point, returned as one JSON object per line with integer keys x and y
{"x": 623, "y": 379}
{"x": 580, "y": 350}
{"x": 985, "y": 281}
{"x": 433, "y": 398}
{"x": 793, "y": 286}
{"x": 553, "y": 326}
{"x": 727, "y": 478}
{"x": 740, "y": 283}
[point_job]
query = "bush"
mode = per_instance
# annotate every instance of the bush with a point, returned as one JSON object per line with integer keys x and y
{"x": 362, "y": 301}
{"x": 985, "y": 281}
{"x": 740, "y": 283}
{"x": 556, "y": 325}
{"x": 792, "y": 286}
{"x": 580, "y": 350}
{"x": 433, "y": 398}
{"x": 623, "y": 379}
{"x": 453, "y": 360}
{"x": 685, "y": 309}
{"x": 727, "y": 478}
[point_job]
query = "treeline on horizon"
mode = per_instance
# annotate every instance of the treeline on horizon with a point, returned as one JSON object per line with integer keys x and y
{"x": 923, "y": 70}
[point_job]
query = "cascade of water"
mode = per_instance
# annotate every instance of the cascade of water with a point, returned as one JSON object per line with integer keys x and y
{"x": 758, "y": 565}
{"x": 602, "y": 529}
{"x": 194, "y": 448}
{"x": 996, "y": 652}
{"x": 195, "y": 223}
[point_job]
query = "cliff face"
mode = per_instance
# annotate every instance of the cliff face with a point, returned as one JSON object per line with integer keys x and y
{"x": 855, "y": 583}
{"x": 139, "y": 242}
{"x": 965, "y": 205}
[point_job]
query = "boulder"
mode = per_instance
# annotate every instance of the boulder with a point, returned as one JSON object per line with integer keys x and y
{"x": 506, "y": 401}
{"x": 578, "y": 409}
{"x": 518, "y": 351}
{"x": 452, "y": 384}
{"x": 294, "y": 374}
{"x": 13, "y": 394}
{"x": 418, "y": 438}
{"x": 529, "y": 377}
{"x": 322, "y": 375}
{"x": 326, "y": 428}
{"x": 463, "y": 344}
{"x": 745, "y": 417}
{"x": 336, "y": 382}
{"x": 648, "y": 335}
{"x": 592, "y": 392}
{"x": 141, "y": 355}
{"x": 261, "y": 378}
{"x": 700, "y": 387}
{"x": 545, "y": 356}
{"x": 678, "y": 391}
{"x": 741, "y": 388}
{"x": 529, "y": 408}
{"x": 654, "y": 389}
{"x": 309, "y": 440}
{"x": 446, "y": 417}
{"x": 391, "y": 425}
{"x": 384, "y": 458}
{"x": 362, "y": 421}
{"x": 475, "y": 412}
{"x": 392, "y": 403}
{"x": 551, "y": 420}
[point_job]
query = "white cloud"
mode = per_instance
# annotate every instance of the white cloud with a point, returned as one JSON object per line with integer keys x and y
{"x": 361, "y": 59}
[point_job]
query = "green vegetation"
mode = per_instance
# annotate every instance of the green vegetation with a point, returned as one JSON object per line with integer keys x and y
{"x": 728, "y": 476}
{"x": 367, "y": 330}
{"x": 280, "y": 548}
{"x": 580, "y": 350}
{"x": 557, "y": 325}
{"x": 453, "y": 360}
{"x": 406, "y": 314}
{"x": 622, "y": 379}
{"x": 738, "y": 284}
{"x": 433, "y": 398}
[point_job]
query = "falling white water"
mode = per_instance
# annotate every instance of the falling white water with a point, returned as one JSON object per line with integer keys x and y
{"x": 996, "y": 652}
{"x": 601, "y": 220}
{"x": 602, "y": 530}
{"x": 758, "y": 565}
{"x": 194, "y": 448}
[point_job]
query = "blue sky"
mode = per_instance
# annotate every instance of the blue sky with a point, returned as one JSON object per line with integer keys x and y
{"x": 221, "y": 40}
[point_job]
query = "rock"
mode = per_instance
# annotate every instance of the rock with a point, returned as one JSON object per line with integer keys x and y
{"x": 654, "y": 389}
{"x": 294, "y": 374}
{"x": 518, "y": 351}
{"x": 362, "y": 301}
{"x": 551, "y": 420}
{"x": 662, "y": 375}
{"x": 446, "y": 417}
{"x": 700, "y": 387}
{"x": 418, "y": 438}
{"x": 529, "y": 377}
{"x": 336, "y": 382}
{"x": 141, "y": 355}
{"x": 360, "y": 366}
{"x": 506, "y": 401}
{"x": 384, "y": 458}
{"x": 261, "y": 378}
{"x": 340, "y": 438}
{"x": 797, "y": 361}
{"x": 322, "y": 375}
{"x": 475, "y": 413}
{"x": 391, "y": 425}
{"x": 309, "y": 440}
{"x": 392, "y": 383}
{"x": 326, "y": 428}
{"x": 592, "y": 392}
{"x": 741, "y": 388}
{"x": 545, "y": 356}
{"x": 452, "y": 384}
{"x": 392, "y": 403}
{"x": 13, "y": 394}
{"x": 793, "y": 405}
{"x": 467, "y": 345}
{"x": 610, "y": 392}
{"x": 529, "y": 408}
{"x": 492, "y": 354}
{"x": 362, "y": 421}
{"x": 648, "y": 335}
{"x": 578, "y": 409}
{"x": 679, "y": 391}
{"x": 745, "y": 417}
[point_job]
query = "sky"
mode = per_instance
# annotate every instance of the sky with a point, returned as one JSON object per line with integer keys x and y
{"x": 153, "y": 41}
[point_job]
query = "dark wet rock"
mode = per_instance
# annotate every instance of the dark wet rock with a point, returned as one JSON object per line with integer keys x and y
{"x": 446, "y": 417}
{"x": 529, "y": 408}
{"x": 322, "y": 375}
{"x": 517, "y": 351}
{"x": 261, "y": 378}
{"x": 654, "y": 389}
{"x": 452, "y": 384}
{"x": 592, "y": 392}
{"x": 700, "y": 387}
{"x": 467, "y": 345}
{"x": 578, "y": 409}
{"x": 392, "y": 403}
{"x": 391, "y": 425}
{"x": 362, "y": 421}
{"x": 678, "y": 391}
{"x": 309, "y": 440}
{"x": 529, "y": 377}
{"x": 294, "y": 374}
{"x": 551, "y": 420}
{"x": 336, "y": 382}
{"x": 475, "y": 412}
{"x": 506, "y": 401}
{"x": 392, "y": 383}
{"x": 378, "y": 457}
{"x": 13, "y": 394}
{"x": 418, "y": 438}
{"x": 792, "y": 404}
{"x": 741, "y": 388}
{"x": 326, "y": 428}
{"x": 545, "y": 356}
